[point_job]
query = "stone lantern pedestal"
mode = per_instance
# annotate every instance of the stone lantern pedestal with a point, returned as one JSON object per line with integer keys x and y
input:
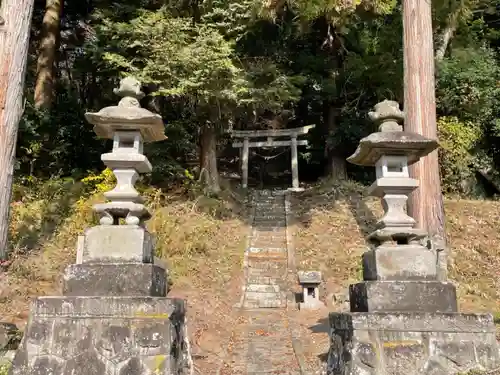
{"x": 403, "y": 320}
{"x": 114, "y": 317}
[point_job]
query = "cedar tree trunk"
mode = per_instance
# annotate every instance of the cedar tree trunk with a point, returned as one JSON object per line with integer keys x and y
{"x": 14, "y": 42}
{"x": 208, "y": 158}
{"x": 426, "y": 203}
{"x": 47, "y": 54}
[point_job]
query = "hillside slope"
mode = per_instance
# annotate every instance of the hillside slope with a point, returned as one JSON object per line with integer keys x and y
{"x": 203, "y": 240}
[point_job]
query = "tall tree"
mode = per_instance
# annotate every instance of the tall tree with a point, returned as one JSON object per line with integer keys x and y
{"x": 47, "y": 54}
{"x": 426, "y": 203}
{"x": 14, "y": 42}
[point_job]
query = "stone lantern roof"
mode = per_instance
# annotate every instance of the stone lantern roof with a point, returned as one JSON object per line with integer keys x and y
{"x": 128, "y": 115}
{"x": 391, "y": 139}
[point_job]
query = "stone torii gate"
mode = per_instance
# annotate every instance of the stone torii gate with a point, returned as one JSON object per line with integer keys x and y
{"x": 273, "y": 139}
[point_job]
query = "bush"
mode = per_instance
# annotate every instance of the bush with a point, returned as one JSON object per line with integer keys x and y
{"x": 458, "y": 139}
{"x": 4, "y": 369}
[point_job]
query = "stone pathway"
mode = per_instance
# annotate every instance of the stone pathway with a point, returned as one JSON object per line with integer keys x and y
{"x": 262, "y": 343}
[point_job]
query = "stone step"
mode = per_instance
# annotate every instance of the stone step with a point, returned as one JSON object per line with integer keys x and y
{"x": 257, "y": 250}
{"x": 262, "y": 288}
{"x": 268, "y": 243}
{"x": 274, "y": 229}
{"x": 280, "y": 237}
{"x": 267, "y": 240}
{"x": 263, "y": 280}
{"x": 270, "y": 215}
{"x": 264, "y": 300}
{"x": 270, "y": 209}
{"x": 265, "y": 232}
{"x": 268, "y": 236}
{"x": 270, "y": 273}
{"x": 269, "y": 205}
{"x": 268, "y": 222}
{"x": 268, "y": 304}
{"x": 280, "y": 211}
{"x": 266, "y": 263}
{"x": 267, "y": 255}
{"x": 262, "y": 244}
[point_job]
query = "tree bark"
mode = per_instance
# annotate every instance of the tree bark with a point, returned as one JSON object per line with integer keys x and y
{"x": 14, "y": 43}
{"x": 47, "y": 54}
{"x": 208, "y": 158}
{"x": 426, "y": 203}
{"x": 337, "y": 168}
{"x": 446, "y": 36}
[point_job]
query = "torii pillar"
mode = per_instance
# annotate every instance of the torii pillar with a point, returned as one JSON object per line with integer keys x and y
{"x": 425, "y": 204}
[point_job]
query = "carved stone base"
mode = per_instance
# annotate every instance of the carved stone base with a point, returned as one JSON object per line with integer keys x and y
{"x": 104, "y": 335}
{"x": 402, "y": 262}
{"x": 411, "y": 343}
{"x": 120, "y": 279}
{"x": 411, "y": 296}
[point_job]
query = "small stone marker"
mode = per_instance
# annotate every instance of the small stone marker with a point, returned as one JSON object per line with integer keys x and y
{"x": 310, "y": 280}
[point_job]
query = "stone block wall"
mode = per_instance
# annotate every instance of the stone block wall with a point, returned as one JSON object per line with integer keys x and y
{"x": 104, "y": 335}
{"x": 411, "y": 344}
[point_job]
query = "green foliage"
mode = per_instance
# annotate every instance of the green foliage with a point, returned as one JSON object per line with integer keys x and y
{"x": 468, "y": 86}
{"x": 182, "y": 58}
{"x": 4, "y": 369}
{"x": 458, "y": 140}
{"x": 251, "y": 64}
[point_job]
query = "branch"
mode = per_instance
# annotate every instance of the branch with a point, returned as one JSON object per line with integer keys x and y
{"x": 447, "y": 35}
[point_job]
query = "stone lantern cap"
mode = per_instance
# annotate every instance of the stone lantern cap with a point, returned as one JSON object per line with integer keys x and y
{"x": 128, "y": 115}
{"x": 391, "y": 140}
{"x": 398, "y": 143}
{"x": 309, "y": 277}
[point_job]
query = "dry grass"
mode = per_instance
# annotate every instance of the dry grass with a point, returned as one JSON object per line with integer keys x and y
{"x": 333, "y": 220}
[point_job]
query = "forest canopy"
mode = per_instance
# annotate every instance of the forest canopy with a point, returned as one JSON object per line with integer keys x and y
{"x": 212, "y": 66}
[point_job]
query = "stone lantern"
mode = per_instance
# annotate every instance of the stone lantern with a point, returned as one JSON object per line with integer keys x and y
{"x": 397, "y": 253}
{"x": 114, "y": 316}
{"x": 403, "y": 319}
{"x": 129, "y": 126}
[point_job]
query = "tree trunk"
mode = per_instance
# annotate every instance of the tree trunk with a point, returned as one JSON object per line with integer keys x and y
{"x": 47, "y": 54}
{"x": 209, "y": 173}
{"x": 446, "y": 36}
{"x": 426, "y": 203}
{"x": 14, "y": 43}
{"x": 336, "y": 163}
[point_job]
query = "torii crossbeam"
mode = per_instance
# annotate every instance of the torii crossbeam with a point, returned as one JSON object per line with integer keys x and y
{"x": 273, "y": 138}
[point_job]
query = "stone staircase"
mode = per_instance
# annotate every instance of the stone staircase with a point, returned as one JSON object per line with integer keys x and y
{"x": 262, "y": 343}
{"x": 266, "y": 258}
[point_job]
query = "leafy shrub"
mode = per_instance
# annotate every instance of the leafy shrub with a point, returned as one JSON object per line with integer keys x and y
{"x": 458, "y": 139}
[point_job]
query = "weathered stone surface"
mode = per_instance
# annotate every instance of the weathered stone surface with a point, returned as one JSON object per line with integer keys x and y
{"x": 415, "y": 296}
{"x": 120, "y": 279}
{"x": 309, "y": 277}
{"x": 375, "y": 145}
{"x": 118, "y": 243}
{"x": 409, "y": 235}
{"x": 105, "y": 335}
{"x": 411, "y": 343}
{"x": 402, "y": 262}
{"x": 9, "y": 336}
{"x": 128, "y": 115}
